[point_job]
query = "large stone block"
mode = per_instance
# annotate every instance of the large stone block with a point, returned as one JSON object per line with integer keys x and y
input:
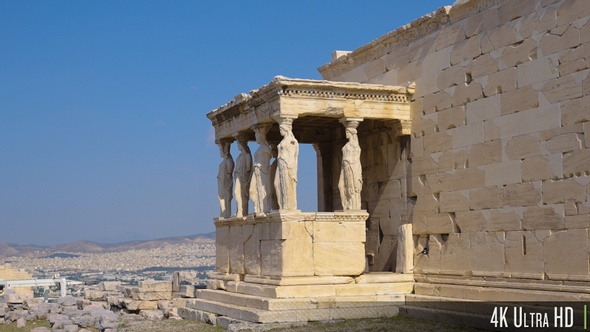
{"x": 509, "y": 10}
{"x": 338, "y": 258}
{"x": 470, "y": 221}
{"x": 559, "y": 40}
{"x": 436, "y": 102}
{"x": 454, "y": 201}
{"x": 536, "y": 71}
{"x": 514, "y": 55}
{"x": 485, "y": 153}
{"x": 501, "y": 220}
{"x": 483, "y": 21}
{"x": 524, "y": 255}
{"x": 576, "y": 162}
{"x": 468, "y": 178}
{"x": 521, "y": 147}
{"x": 222, "y": 249}
{"x": 467, "y": 135}
{"x": 564, "y": 143}
{"x": 566, "y": 254}
{"x": 253, "y": 236}
{"x": 562, "y": 89}
{"x": 523, "y": 98}
{"x": 571, "y": 11}
{"x": 463, "y": 94}
{"x": 331, "y": 231}
{"x": 482, "y": 66}
{"x": 486, "y": 198}
{"x": 466, "y": 50}
{"x": 521, "y": 194}
{"x": 428, "y": 263}
{"x": 456, "y": 254}
{"x": 524, "y": 122}
{"x": 155, "y": 286}
{"x": 483, "y": 109}
{"x": 453, "y": 159}
{"x": 503, "y": 173}
{"x": 438, "y": 223}
{"x": 436, "y": 142}
{"x": 575, "y": 111}
{"x": 451, "y": 118}
{"x": 487, "y": 253}
{"x": 568, "y": 190}
{"x": 236, "y": 249}
{"x": 546, "y": 217}
{"x": 500, "y": 82}
{"x": 449, "y": 77}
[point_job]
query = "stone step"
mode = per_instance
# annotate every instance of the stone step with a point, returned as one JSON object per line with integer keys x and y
{"x": 497, "y": 294}
{"x": 340, "y": 310}
{"x": 300, "y": 303}
{"x": 310, "y": 291}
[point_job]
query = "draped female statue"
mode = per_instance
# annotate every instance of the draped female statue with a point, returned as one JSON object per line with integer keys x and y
{"x": 260, "y": 185}
{"x": 351, "y": 178}
{"x": 285, "y": 181}
{"x": 225, "y": 179}
{"x": 243, "y": 174}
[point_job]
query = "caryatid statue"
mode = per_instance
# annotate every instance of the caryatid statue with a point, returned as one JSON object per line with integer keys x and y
{"x": 274, "y": 203}
{"x": 260, "y": 186}
{"x": 242, "y": 174}
{"x": 225, "y": 179}
{"x": 351, "y": 177}
{"x": 285, "y": 181}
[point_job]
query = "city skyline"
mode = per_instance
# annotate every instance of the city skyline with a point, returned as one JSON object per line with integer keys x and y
{"x": 102, "y": 105}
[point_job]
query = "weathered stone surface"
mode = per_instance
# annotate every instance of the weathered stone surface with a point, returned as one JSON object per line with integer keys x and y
{"x": 521, "y": 194}
{"x": 537, "y": 218}
{"x": 405, "y": 250}
{"x": 568, "y": 190}
{"x": 453, "y": 201}
{"x": 521, "y": 99}
{"x": 524, "y": 255}
{"x": 576, "y": 162}
{"x": 559, "y": 265}
{"x": 483, "y": 109}
{"x": 503, "y": 220}
{"x": 486, "y": 198}
{"x": 487, "y": 253}
{"x": 503, "y": 173}
{"x": 536, "y": 71}
{"x": 521, "y": 147}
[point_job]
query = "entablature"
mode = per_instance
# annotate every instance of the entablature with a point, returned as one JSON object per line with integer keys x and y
{"x": 313, "y": 99}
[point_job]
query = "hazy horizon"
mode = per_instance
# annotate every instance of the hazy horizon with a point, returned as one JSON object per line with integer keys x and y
{"x": 102, "y": 104}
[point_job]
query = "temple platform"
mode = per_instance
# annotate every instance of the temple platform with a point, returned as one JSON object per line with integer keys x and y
{"x": 302, "y": 299}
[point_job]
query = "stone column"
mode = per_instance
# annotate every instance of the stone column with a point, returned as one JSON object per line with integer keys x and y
{"x": 242, "y": 175}
{"x": 225, "y": 179}
{"x": 260, "y": 184}
{"x": 350, "y": 183}
{"x": 285, "y": 181}
{"x": 324, "y": 162}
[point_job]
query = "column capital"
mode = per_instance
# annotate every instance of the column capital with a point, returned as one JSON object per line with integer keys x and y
{"x": 262, "y": 127}
{"x": 351, "y": 122}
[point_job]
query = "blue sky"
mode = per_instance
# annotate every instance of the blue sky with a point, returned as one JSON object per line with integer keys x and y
{"x": 103, "y": 134}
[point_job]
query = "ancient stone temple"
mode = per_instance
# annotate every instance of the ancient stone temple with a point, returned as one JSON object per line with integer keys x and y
{"x": 453, "y": 159}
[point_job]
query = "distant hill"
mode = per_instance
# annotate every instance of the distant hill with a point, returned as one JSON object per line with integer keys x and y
{"x": 11, "y": 249}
